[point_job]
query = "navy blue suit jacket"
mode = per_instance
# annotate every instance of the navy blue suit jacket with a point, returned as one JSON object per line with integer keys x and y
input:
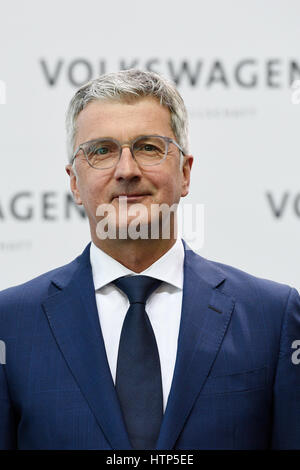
{"x": 235, "y": 385}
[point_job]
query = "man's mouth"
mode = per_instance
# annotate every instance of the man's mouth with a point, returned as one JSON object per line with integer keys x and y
{"x": 131, "y": 197}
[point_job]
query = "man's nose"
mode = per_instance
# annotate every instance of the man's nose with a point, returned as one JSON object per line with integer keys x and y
{"x": 127, "y": 167}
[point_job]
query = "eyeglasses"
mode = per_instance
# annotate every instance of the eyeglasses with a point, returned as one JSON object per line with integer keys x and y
{"x": 147, "y": 150}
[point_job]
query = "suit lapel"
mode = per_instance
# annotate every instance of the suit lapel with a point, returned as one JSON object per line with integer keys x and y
{"x": 206, "y": 312}
{"x": 73, "y": 317}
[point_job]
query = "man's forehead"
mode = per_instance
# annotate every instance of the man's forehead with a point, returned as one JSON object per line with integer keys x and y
{"x": 107, "y": 106}
{"x": 142, "y": 115}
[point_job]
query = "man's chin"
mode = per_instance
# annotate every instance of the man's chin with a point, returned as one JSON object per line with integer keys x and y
{"x": 134, "y": 229}
{"x": 136, "y": 221}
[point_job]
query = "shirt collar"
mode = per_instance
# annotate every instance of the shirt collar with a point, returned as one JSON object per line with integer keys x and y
{"x": 168, "y": 268}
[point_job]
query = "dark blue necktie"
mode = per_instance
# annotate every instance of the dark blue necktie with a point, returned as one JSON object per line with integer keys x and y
{"x": 138, "y": 377}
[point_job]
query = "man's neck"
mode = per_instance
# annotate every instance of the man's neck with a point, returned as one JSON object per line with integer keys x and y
{"x": 136, "y": 255}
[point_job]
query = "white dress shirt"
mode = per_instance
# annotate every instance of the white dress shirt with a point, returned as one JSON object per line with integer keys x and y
{"x": 163, "y": 306}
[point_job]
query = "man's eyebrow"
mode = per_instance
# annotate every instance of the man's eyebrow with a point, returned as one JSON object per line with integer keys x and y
{"x": 113, "y": 138}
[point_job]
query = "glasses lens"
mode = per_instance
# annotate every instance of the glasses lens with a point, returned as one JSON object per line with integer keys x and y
{"x": 149, "y": 150}
{"x": 102, "y": 153}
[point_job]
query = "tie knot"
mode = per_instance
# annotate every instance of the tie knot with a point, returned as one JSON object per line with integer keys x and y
{"x": 137, "y": 288}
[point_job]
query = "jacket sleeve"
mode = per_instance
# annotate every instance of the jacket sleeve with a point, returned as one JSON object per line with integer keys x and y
{"x": 8, "y": 432}
{"x": 286, "y": 391}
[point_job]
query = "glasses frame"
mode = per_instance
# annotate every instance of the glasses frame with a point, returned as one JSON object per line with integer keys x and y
{"x": 130, "y": 145}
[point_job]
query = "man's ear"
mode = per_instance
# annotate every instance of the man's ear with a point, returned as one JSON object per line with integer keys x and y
{"x": 73, "y": 184}
{"x": 186, "y": 174}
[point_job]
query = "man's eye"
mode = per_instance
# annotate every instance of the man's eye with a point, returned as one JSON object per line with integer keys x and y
{"x": 101, "y": 151}
{"x": 149, "y": 147}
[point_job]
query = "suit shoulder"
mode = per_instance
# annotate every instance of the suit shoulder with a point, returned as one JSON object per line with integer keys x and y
{"x": 20, "y": 306}
{"x": 252, "y": 286}
{"x": 238, "y": 274}
{"x": 242, "y": 285}
{"x": 33, "y": 290}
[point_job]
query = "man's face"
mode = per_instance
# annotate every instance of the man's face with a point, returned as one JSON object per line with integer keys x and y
{"x": 125, "y": 121}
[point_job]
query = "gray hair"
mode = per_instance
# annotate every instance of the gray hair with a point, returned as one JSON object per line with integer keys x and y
{"x": 128, "y": 84}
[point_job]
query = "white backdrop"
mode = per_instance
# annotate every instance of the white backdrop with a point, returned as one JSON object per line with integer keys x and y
{"x": 233, "y": 61}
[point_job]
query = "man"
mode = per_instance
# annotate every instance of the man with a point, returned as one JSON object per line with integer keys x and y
{"x": 139, "y": 342}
